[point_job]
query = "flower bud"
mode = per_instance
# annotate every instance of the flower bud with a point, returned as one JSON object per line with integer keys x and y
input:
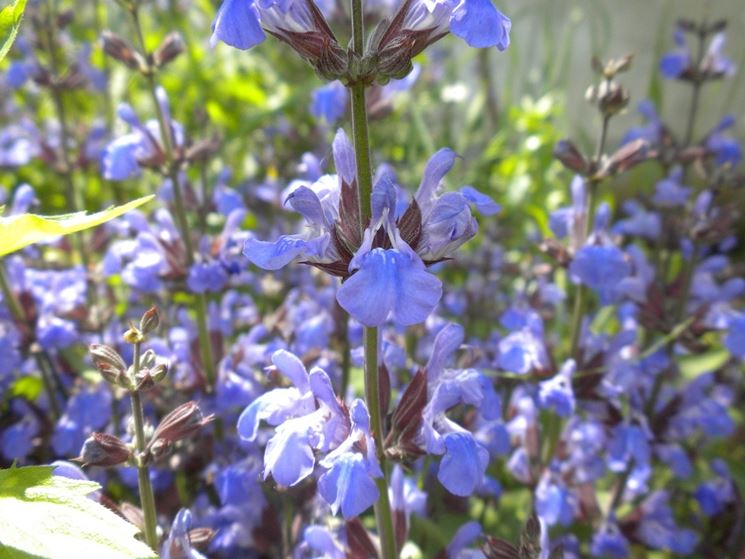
{"x": 625, "y": 157}
{"x": 108, "y": 362}
{"x": 144, "y": 381}
{"x": 609, "y": 96}
{"x": 566, "y": 152}
{"x": 150, "y": 320}
{"x": 119, "y": 49}
{"x": 159, "y": 372}
{"x": 181, "y": 423}
{"x": 147, "y": 359}
{"x": 101, "y": 449}
{"x": 169, "y": 49}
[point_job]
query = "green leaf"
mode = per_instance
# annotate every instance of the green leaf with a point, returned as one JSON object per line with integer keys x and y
{"x": 10, "y": 21}
{"x": 694, "y": 365}
{"x": 18, "y": 231}
{"x": 28, "y": 388}
{"x": 45, "y": 516}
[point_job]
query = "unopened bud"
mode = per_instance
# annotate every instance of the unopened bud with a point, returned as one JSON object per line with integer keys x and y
{"x": 119, "y": 49}
{"x": 159, "y": 372}
{"x": 181, "y": 423}
{"x": 609, "y": 96}
{"x": 566, "y": 152}
{"x": 108, "y": 362}
{"x": 150, "y": 320}
{"x": 625, "y": 157}
{"x": 144, "y": 381}
{"x": 147, "y": 359}
{"x": 169, "y": 49}
{"x": 101, "y": 449}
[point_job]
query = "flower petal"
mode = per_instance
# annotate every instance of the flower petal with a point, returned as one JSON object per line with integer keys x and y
{"x": 480, "y": 24}
{"x": 237, "y": 24}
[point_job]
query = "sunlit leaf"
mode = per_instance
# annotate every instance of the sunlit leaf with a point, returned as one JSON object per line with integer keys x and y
{"x": 47, "y": 516}
{"x": 10, "y": 21}
{"x": 18, "y": 231}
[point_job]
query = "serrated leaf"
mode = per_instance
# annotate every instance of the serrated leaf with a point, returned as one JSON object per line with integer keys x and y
{"x": 18, "y": 231}
{"x": 10, "y": 21}
{"x": 49, "y": 517}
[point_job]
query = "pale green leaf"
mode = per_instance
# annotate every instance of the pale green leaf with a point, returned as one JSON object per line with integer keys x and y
{"x": 49, "y": 517}
{"x": 10, "y": 21}
{"x": 694, "y": 365}
{"x": 18, "y": 231}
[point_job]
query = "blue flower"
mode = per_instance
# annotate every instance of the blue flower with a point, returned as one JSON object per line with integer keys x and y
{"x": 556, "y": 393}
{"x": 734, "y": 340}
{"x": 87, "y": 411}
{"x": 16, "y": 441}
{"x": 651, "y": 131}
{"x": 609, "y": 542}
{"x": 601, "y": 268}
{"x": 123, "y": 157}
{"x": 669, "y": 192}
{"x": 464, "y": 460}
{"x": 207, "y": 277}
{"x": 678, "y": 63}
{"x": 657, "y": 527}
{"x": 348, "y": 484}
{"x": 307, "y": 417}
{"x": 727, "y": 150}
{"x": 237, "y": 24}
{"x": 329, "y": 102}
{"x": 477, "y": 22}
{"x": 178, "y": 545}
{"x": 554, "y": 502}
{"x": 320, "y": 539}
{"x": 389, "y": 283}
{"x": 299, "y": 23}
{"x": 384, "y": 269}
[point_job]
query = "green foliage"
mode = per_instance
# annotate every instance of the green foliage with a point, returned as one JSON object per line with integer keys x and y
{"x": 10, "y": 22}
{"x": 46, "y": 516}
{"x": 18, "y": 231}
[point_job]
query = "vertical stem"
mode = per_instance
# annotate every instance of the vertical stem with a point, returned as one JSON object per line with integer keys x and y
{"x": 580, "y": 303}
{"x": 147, "y": 499}
{"x": 201, "y": 307}
{"x": 383, "y": 515}
{"x": 362, "y": 152}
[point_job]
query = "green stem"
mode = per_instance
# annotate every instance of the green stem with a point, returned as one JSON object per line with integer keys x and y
{"x": 362, "y": 152}
{"x": 147, "y": 498}
{"x": 201, "y": 308}
{"x": 697, "y": 83}
{"x": 383, "y": 515}
{"x": 580, "y": 303}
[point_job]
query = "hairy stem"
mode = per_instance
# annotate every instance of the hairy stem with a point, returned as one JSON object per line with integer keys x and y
{"x": 383, "y": 515}
{"x": 147, "y": 498}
